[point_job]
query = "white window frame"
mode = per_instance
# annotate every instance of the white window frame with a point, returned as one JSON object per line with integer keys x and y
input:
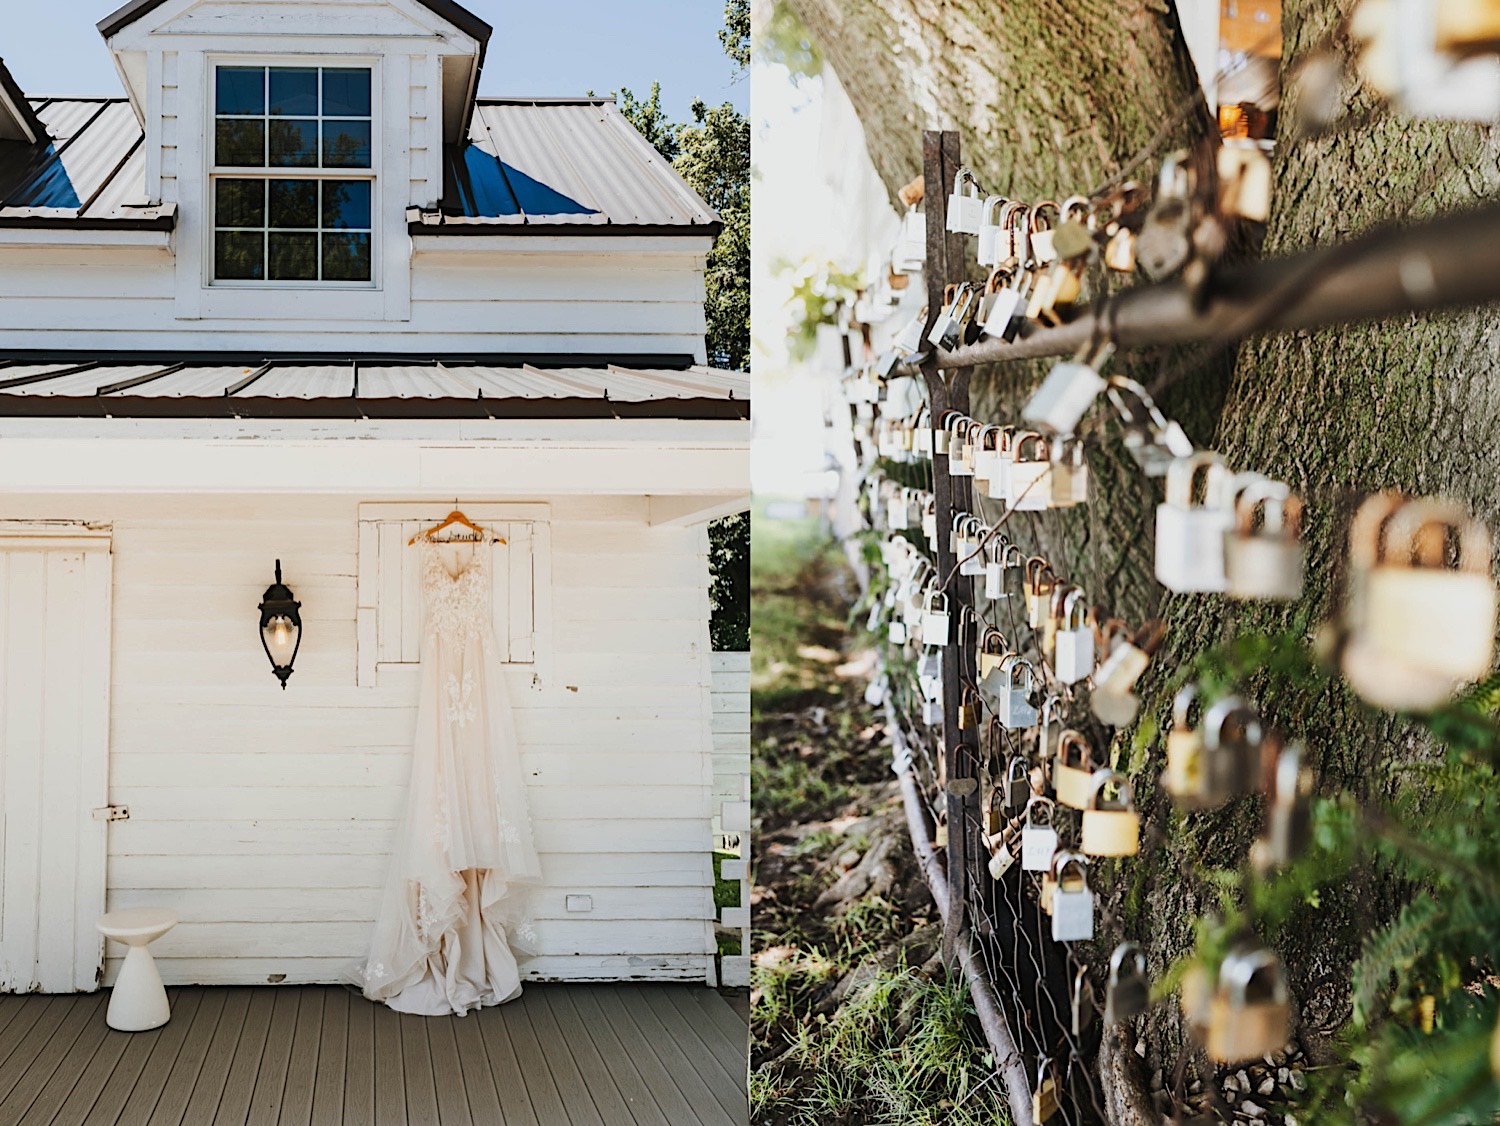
{"x": 371, "y": 670}
{"x": 212, "y": 173}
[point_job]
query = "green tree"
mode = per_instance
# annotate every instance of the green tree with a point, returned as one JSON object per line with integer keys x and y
{"x": 736, "y": 33}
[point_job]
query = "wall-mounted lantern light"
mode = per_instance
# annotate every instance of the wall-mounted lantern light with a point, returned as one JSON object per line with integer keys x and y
{"x": 280, "y": 627}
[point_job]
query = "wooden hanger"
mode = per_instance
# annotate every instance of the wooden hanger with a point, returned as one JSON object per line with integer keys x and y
{"x": 458, "y": 518}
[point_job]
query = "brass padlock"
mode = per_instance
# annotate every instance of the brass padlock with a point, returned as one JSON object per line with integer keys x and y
{"x": 1184, "y": 777}
{"x": 1040, "y": 580}
{"x": 1111, "y": 827}
{"x": 994, "y": 816}
{"x": 1043, "y": 253}
{"x": 1044, "y": 1100}
{"x": 992, "y": 650}
{"x": 1244, "y": 180}
{"x": 967, "y": 711}
{"x": 1250, "y": 1015}
{"x": 1070, "y": 473}
{"x": 1119, "y": 251}
{"x": 1056, "y": 599}
{"x": 1129, "y": 990}
{"x": 1073, "y": 770}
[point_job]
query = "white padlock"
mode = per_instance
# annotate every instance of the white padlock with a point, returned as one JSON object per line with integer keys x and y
{"x": 965, "y": 204}
{"x": 1070, "y": 473}
{"x": 991, "y": 230}
{"x": 1072, "y": 901}
{"x": 1264, "y": 562}
{"x": 1190, "y": 534}
{"x": 908, "y": 342}
{"x": 1043, "y": 253}
{"x": 1004, "y": 447}
{"x": 935, "y": 618}
{"x": 1069, "y": 390}
{"x": 1019, "y": 684}
{"x": 1029, "y": 485}
{"x": 1073, "y": 657}
{"x": 1038, "y": 836}
{"x": 910, "y": 255}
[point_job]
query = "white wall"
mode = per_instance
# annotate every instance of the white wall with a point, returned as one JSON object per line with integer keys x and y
{"x": 264, "y": 817}
{"x": 731, "y": 700}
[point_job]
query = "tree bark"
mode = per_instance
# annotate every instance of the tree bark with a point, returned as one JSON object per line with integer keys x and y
{"x": 1052, "y": 99}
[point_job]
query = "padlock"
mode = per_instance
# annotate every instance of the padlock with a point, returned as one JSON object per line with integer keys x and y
{"x": 1002, "y": 858}
{"x": 1184, "y": 777}
{"x": 1250, "y": 1015}
{"x": 1119, "y": 251}
{"x": 991, "y": 229}
{"x": 1083, "y": 1002}
{"x": 1052, "y": 620}
{"x": 1004, "y": 451}
{"x": 994, "y": 566}
{"x": 965, "y": 204}
{"x": 940, "y": 830}
{"x": 1113, "y": 700}
{"x": 1164, "y": 244}
{"x": 1189, "y": 535}
{"x": 1419, "y": 610}
{"x": 1045, "y": 1100}
{"x": 929, "y": 520}
{"x": 1232, "y": 739}
{"x": 1152, "y": 440}
{"x": 1244, "y": 180}
{"x": 1467, "y": 27}
{"x": 910, "y": 254}
{"x": 1072, "y": 901}
{"x": 1039, "y": 583}
{"x": 1111, "y": 827}
{"x": 959, "y": 458}
{"x": 932, "y": 713}
{"x": 1073, "y": 650}
{"x": 1041, "y": 231}
{"x": 908, "y": 342}
{"x": 1014, "y": 707}
{"x": 1073, "y": 770}
{"x": 971, "y": 558}
{"x": 1288, "y": 827}
{"x": 986, "y": 458}
{"x": 1070, "y": 473}
{"x": 1017, "y": 790}
{"x": 1038, "y": 835}
{"x": 1400, "y": 54}
{"x": 1014, "y": 244}
{"x": 898, "y": 512}
{"x": 968, "y": 711}
{"x": 1007, "y": 306}
{"x": 1029, "y": 482}
{"x": 994, "y": 816}
{"x": 1046, "y": 745}
{"x": 947, "y": 330}
{"x": 992, "y": 650}
{"x": 1264, "y": 562}
{"x": 1056, "y": 292}
{"x": 1069, "y": 390}
{"x": 1129, "y": 991}
{"x": 896, "y": 633}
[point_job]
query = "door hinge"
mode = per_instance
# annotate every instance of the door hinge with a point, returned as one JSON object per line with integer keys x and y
{"x": 112, "y": 813}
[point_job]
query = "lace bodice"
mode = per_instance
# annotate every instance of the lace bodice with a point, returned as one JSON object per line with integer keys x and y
{"x": 457, "y": 606}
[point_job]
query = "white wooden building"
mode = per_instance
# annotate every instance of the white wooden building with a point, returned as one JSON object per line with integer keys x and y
{"x": 291, "y": 298}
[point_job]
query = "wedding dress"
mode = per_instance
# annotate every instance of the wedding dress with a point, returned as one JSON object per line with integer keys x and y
{"x": 455, "y": 904}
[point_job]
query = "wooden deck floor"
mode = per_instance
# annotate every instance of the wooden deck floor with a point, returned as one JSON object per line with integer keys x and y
{"x": 632, "y": 1055}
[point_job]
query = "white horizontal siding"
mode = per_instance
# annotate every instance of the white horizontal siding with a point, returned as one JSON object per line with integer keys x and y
{"x": 731, "y": 726}
{"x": 264, "y": 817}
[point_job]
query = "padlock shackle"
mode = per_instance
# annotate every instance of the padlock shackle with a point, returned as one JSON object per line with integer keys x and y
{"x": 1036, "y": 214}
{"x": 1230, "y": 707}
{"x": 1009, "y": 665}
{"x": 1131, "y": 950}
{"x": 1289, "y": 774}
{"x": 1182, "y": 705}
{"x": 1038, "y": 801}
{"x": 1078, "y": 203}
{"x": 1036, "y": 567}
{"x": 1271, "y": 498}
{"x": 1182, "y": 477}
{"x": 1403, "y": 534}
{"x": 1076, "y": 739}
{"x": 990, "y": 206}
{"x": 1106, "y": 777}
{"x": 993, "y": 634}
{"x": 1240, "y": 968}
{"x": 1044, "y": 448}
{"x": 1062, "y": 860}
{"x": 1074, "y": 601}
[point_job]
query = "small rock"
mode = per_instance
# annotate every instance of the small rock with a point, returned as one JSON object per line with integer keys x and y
{"x": 1244, "y": 1080}
{"x": 1231, "y": 1083}
{"x": 1283, "y": 1076}
{"x": 1140, "y": 1048}
{"x": 1254, "y": 1110}
{"x": 1230, "y": 1094}
{"x": 1195, "y": 1087}
{"x": 1298, "y": 1082}
{"x": 1269, "y": 1061}
{"x": 1291, "y": 1120}
{"x": 1266, "y": 1087}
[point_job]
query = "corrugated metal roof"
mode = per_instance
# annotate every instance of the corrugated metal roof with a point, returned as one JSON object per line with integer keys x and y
{"x": 531, "y": 166}
{"x": 560, "y": 163}
{"x": 355, "y": 383}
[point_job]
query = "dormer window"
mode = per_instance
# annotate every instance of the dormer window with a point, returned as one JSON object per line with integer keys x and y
{"x": 292, "y": 180}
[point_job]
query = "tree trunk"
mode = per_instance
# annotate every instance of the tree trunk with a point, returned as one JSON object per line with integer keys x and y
{"x": 1051, "y": 99}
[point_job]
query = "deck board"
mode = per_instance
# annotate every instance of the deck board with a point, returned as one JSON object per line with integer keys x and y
{"x": 561, "y": 1055}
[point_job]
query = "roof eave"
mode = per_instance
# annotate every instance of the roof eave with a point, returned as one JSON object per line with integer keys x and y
{"x": 589, "y": 230}
{"x": 344, "y": 407}
{"x": 13, "y": 99}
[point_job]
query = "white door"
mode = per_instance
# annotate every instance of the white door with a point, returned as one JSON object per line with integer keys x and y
{"x": 54, "y": 736}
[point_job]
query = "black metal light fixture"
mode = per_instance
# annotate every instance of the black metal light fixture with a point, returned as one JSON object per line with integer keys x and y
{"x": 280, "y": 627}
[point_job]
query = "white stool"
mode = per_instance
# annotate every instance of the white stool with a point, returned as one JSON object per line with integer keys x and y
{"x": 139, "y": 1001}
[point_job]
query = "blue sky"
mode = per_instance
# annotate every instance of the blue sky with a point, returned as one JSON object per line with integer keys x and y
{"x": 553, "y": 47}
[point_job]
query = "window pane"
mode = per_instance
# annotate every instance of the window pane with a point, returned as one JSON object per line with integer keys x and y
{"x": 346, "y": 92}
{"x": 294, "y": 92}
{"x": 240, "y": 144}
{"x": 294, "y": 203}
{"x": 294, "y": 143}
{"x": 346, "y": 205}
{"x": 294, "y": 257}
{"x": 346, "y": 144}
{"x": 240, "y": 89}
{"x": 346, "y": 257}
{"x": 239, "y": 256}
{"x": 241, "y": 203}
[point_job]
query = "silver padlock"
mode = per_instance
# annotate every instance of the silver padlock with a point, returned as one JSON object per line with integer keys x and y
{"x": 910, "y": 255}
{"x": 932, "y": 713}
{"x": 935, "y": 618}
{"x": 1190, "y": 534}
{"x": 1041, "y": 229}
{"x": 1038, "y": 836}
{"x": 997, "y": 554}
{"x": 960, "y": 437}
{"x": 1007, "y": 307}
{"x": 1072, "y": 901}
{"x": 1164, "y": 244}
{"x": 1265, "y": 562}
{"x": 1288, "y": 826}
{"x": 1073, "y": 649}
{"x": 1232, "y": 739}
{"x": 1069, "y": 390}
{"x": 947, "y": 330}
{"x": 1015, "y": 709}
{"x": 908, "y": 342}
{"x": 896, "y": 633}
{"x": 1129, "y": 991}
{"x": 1004, "y": 451}
{"x": 1150, "y": 438}
{"x": 986, "y": 458}
{"x": 1029, "y": 482}
{"x": 991, "y": 230}
{"x": 965, "y": 204}
{"x": 1017, "y": 790}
